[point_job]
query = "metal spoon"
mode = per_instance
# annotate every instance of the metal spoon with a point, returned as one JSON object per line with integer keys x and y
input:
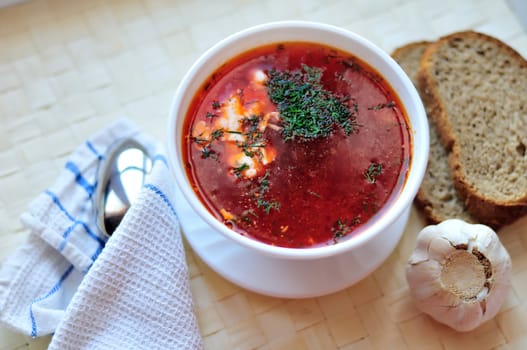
{"x": 121, "y": 177}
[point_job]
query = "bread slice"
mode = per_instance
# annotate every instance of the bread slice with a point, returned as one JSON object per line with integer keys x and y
{"x": 437, "y": 197}
{"x": 475, "y": 87}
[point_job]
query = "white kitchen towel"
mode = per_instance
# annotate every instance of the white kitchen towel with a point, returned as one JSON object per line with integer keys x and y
{"x": 136, "y": 295}
{"x": 38, "y": 281}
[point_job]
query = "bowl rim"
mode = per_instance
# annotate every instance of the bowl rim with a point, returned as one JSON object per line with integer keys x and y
{"x": 405, "y": 196}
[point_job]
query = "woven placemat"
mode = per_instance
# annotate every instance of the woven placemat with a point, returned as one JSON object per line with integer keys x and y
{"x": 67, "y": 68}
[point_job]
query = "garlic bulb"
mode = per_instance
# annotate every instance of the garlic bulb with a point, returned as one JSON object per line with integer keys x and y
{"x": 459, "y": 273}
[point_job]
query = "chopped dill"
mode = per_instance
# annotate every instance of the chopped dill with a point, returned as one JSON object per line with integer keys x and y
{"x": 216, "y": 134}
{"x": 200, "y": 140}
{"x": 374, "y": 170}
{"x": 254, "y": 138}
{"x": 207, "y": 152}
{"x": 239, "y": 169}
{"x": 308, "y": 111}
{"x": 206, "y": 143}
{"x": 261, "y": 202}
{"x": 342, "y": 228}
{"x": 380, "y": 106}
{"x": 267, "y": 205}
{"x": 264, "y": 183}
{"x": 216, "y": 104}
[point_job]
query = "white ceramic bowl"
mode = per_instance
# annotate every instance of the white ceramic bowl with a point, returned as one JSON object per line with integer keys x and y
{"x": 378, "y": 240}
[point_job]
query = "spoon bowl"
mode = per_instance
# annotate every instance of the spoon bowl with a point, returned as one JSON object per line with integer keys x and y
{"x": 121, "y": 177}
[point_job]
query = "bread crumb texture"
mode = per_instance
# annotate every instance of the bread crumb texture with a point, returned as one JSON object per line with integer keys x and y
{"x": 485, "y": 82}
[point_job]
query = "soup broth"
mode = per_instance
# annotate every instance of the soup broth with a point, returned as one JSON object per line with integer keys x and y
{"x": 296, "y": 144}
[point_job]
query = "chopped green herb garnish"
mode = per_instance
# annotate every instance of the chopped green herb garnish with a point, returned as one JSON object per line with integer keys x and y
{"x": 252, "y": 120}
{"x": 206, "y": 143}
{"x": 267, "y": 205}
{"x": 216, "y": 134}
{"x": 264, "y": 183}
{"x": 308, "y": 111}
{"x": 239, "y": 169}
{"x": 262, "y": 202}
{"x": 200, "y": 140}
{"x": 339, "y": 229}
{"x": 374, "y": 170}
{"x": 390, "y": 104}
{"x": 253, "y": 137}
{"x": 342, "y": 227}
{"x": 206, "y": 152}
{"x": 216, "y": 104}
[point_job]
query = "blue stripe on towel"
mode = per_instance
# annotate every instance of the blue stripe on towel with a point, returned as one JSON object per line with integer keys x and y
{"x": 93, "y": 258}
{"x": 57, "y": 202}
{"x": 64, "y": 241}
{"x": 62, "y": 244}
{"x": 160, "y": 193}
{"x": 75, "y": 221}
{"x": 91, "y": 147}
{"x": 52, "y": 291}
{"x": 80, "y": 179}
{"x": 96, "y": 255}
{"x": 66, "y": 234}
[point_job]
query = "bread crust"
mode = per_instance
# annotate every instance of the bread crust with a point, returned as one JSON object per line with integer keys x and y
{"x": 490, "y": 211}
{"x": 422, "y": 199}
{"x": 434, "y": 208}
{"x": 402, "y": 50}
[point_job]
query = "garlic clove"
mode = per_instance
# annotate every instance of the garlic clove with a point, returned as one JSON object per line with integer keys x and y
{"x": 439, "y": 248}
{"x": 463, "y": 318}
{"x": 421, "y": 251}
{"x": 426, "y": 276}
{"x": 459, "y": 273}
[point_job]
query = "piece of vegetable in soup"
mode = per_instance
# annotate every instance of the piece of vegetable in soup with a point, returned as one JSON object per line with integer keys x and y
{"x": 296, "y": 144}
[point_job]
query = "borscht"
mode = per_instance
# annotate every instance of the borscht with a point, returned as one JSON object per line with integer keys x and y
{"x": 296, "y": 144}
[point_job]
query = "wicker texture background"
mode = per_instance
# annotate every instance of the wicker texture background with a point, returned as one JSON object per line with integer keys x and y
{"x": 67, "y": 68}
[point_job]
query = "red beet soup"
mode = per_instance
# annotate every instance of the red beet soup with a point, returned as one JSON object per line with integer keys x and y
{"x": 296, "y": 144}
